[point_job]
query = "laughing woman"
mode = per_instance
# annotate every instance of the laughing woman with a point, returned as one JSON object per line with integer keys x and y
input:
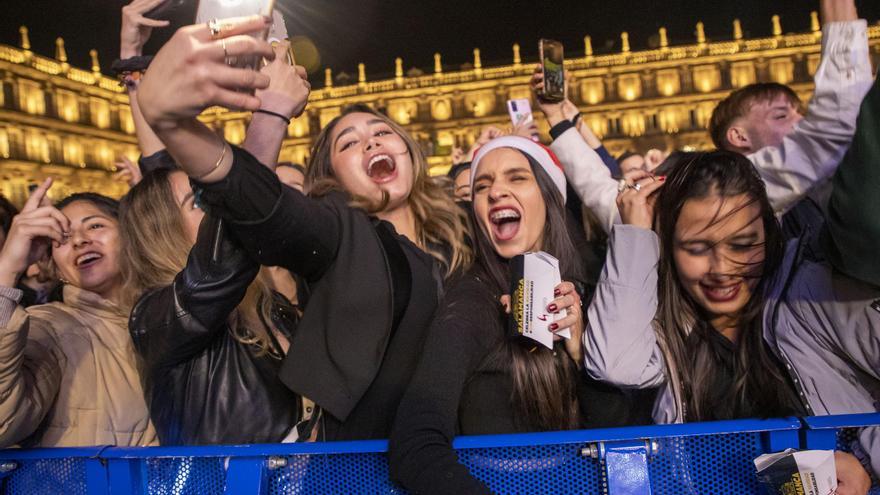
{"x": 68, "y": 374}
{"x": 375, "y": 238}
{"x": 733, "y": 323}
{"x": 474, "y": 378}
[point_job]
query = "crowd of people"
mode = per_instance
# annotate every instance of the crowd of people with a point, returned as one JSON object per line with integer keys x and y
{"x": 228, "y": 298}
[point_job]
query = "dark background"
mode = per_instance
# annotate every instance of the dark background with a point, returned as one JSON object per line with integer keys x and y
{"x": 376, "y": 31}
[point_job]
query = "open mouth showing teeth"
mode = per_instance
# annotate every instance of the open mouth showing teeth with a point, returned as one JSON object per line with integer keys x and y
{"x": 721, "y": 294}
{"x": 381, "y": 167}
{"x": 87, "y": 260}
{"x": 505, "y": 223}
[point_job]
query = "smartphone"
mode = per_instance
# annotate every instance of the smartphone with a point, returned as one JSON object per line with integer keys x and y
{"x": 552, "y": 61}
{"x": 278, "y": 33}
{"x": 520, "y": 110}
{"x": 225, "y": 9}
{"x": 165, "y": 10}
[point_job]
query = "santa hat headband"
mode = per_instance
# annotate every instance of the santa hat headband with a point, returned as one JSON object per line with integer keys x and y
{"x": 541, "y": 154}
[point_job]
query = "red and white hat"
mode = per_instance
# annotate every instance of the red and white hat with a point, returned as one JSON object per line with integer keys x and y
{"x": 542, "y": 154}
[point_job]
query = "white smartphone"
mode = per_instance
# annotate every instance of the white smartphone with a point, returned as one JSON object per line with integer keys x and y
{"x": 520, "y": 111}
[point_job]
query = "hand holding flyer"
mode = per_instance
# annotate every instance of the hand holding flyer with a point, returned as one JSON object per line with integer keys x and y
{"x": 534, "y": 276}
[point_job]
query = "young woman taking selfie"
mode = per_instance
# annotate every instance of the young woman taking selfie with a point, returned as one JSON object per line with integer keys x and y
{"x": 375, "y": 238}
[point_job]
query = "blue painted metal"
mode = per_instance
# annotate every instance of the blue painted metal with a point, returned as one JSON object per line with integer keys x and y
{"x": 842, "y": 421}
{"x": 96, "y": 477}
{"x": 246, "y": 476}
{"x": 626, "y": 467}
{"x": 779, "y": 440}
{"x": 126, "y": 476}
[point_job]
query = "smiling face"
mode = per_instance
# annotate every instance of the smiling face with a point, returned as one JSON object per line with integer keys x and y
{"x": 368, "y": 157}
{"x": 90, "y": 257}
{"x": 508, "y": 203}
{"x": 769, "y": 121}
{"x": 719, "y": 252}
{"x": 190, "y": 214}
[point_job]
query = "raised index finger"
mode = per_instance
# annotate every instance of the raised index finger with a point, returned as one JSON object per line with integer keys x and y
{"x": 38, "y": 197}
{"x": 234, "y": 26}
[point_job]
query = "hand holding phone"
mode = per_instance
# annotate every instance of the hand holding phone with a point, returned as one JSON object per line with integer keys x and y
{"x": 210, "y": 10}
{"x": 521, "y": 118}
{"x": 552, "y": 64}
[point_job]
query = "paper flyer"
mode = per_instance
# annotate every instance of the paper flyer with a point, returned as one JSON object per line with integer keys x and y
{"x": 806, "y": 472}
{"x": 534, "y": 277}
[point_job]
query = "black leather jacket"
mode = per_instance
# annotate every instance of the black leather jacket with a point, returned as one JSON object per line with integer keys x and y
{"x": 203, "y": 386}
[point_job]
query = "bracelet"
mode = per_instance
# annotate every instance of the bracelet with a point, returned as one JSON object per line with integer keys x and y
{"x": 275, "y": 114}
{"x": 216, "y": 165}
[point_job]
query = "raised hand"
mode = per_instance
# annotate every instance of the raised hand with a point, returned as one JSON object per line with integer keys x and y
{"x": 838, "y": 11}
{"x": 852, "y": 479}
{"x": 487, "y": 134}
{"x": 128, "y": 171}
{"x": 568, "y": 299}
{"x": 289, "y": 88}
{"x": 526, "y": 128}
{"x": 552, "y": 111}
{"x": 136, "y": 28}
{"x": 634, "y": 202}
{"x": 30, "y": 235}
{"x": 190, "y": 74}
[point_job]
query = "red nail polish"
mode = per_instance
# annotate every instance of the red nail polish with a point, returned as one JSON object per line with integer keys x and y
{"x": 553, "y": 326}
{"x": 556, "y": 292}
{"x": 662, "y": 178}
{"x": 551, "y": 308}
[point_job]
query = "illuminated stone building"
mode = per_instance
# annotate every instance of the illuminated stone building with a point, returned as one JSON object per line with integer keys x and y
{"x": 73, "y": 123}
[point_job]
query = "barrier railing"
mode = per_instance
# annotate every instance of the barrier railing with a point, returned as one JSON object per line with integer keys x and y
{"x": 698, "y": 458}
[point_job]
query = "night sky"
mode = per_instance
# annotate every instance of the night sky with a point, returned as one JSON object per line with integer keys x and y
{"x": 376, "y": 31}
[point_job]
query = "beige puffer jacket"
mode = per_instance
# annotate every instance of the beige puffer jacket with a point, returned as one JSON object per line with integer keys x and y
{"x": 68, "y": 376}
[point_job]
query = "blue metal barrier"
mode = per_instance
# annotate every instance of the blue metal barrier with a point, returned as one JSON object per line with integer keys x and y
{"x": 698, "y": 458}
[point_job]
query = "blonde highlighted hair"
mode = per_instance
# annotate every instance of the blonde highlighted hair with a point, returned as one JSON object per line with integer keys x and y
{"x": 439, "y": 221}
{"x": 155, "y": 249}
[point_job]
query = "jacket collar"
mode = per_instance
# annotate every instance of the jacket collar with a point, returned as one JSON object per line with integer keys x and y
{"x": 92, "y": 304}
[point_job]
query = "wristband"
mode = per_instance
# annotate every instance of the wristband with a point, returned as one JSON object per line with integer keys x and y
{"x": 274, "y": 114}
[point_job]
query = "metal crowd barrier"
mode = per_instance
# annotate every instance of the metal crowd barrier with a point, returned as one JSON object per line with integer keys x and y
{"x": 698, "y": 458}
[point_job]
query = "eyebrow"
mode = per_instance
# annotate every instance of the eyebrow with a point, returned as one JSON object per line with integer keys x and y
{"x": 752, "y": 237}
{"x": 349, "y": 130}
{"x": 517, "y": 170}
{"x": 90, "y": 217}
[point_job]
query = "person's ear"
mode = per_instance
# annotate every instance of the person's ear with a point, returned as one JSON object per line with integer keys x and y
{"x": 738, "y": 138}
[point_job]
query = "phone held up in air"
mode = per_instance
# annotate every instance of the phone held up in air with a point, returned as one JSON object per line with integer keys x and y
{"x": 552, "y": 61}
{"x": 520, "y": 111}
{"x": 165, "y": 10}
{"x": 226, "y": 9}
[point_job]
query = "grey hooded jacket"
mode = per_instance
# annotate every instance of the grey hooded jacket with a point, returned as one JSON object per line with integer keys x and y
{"x": 823, "y": 326}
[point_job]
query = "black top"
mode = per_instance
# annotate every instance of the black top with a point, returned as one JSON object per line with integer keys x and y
{"x": 200, "y": 380}
{"x": 459, "y": 388}
{"x": 371, "y": 294}
{"x": 373, "y": 416}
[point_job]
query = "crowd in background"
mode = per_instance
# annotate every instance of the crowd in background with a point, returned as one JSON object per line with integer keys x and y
{"x": 228, "y": 298}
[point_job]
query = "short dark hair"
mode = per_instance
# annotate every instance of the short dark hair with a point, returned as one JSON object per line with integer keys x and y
{"x": 738, "y": 103}
{"x": 107, "y": 205}
{"x": 7, "y": 213}
{"x": 292, "y": 165}
{"x": 457, "y": 169}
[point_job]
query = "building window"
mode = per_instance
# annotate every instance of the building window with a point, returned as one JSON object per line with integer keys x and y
{"x": 100, "y": 112}
{"x": 629, "y": 87}
{"x": 742, "y": 74}
{"x": 782, "y": 70}
{"x": 31, "y": 97}
{"x": 707, "y": 78}
{"x": 68, "y": 105}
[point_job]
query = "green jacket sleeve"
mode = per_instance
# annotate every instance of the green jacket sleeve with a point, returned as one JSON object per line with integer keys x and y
{"x": 853, "y": 219}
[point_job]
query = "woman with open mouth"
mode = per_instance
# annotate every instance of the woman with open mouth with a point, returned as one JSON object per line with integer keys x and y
{"x": 701, "y": 297}
{"x": 69, "y": 371}
{"x": 474, "y": 376}
{"x": 374, "y": 238}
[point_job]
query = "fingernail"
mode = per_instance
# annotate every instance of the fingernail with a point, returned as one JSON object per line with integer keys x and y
{"x": 662, "y": 178}
{"x": 556, "y": 292}
{"x": 551, "y": 308}
{"x": 554, "y": 326}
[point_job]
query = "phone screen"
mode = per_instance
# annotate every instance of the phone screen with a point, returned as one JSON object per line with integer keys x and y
{"x": 225, "y": 9}
{"x": 552, "y": 60}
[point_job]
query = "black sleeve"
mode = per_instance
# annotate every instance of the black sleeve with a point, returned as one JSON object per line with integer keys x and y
{"x": 420, "y": 450}
{"x": 558, "y": 129}
{"x": 157, "y": 161}
{"x": 276, "y": 225}
{"x": 171, "y": 324}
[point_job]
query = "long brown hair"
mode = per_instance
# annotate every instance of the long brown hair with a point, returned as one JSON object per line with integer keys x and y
{"x": 439, "y": 221}
{"x": 544, "y": 381}
{"x": 155, "y": 247}
{"x": 683, "y": 328}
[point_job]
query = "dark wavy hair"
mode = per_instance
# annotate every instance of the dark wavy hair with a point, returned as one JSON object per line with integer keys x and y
{"x": 544, "y": 381}
{"x": 758, "y": 388}
{"x": 107, "y": 205}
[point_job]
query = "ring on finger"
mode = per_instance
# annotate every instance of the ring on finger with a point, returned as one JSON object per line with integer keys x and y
{"x": 215, "y": 28}
{"x": 225, "y": 53}
{"x": 637, "y": 187}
